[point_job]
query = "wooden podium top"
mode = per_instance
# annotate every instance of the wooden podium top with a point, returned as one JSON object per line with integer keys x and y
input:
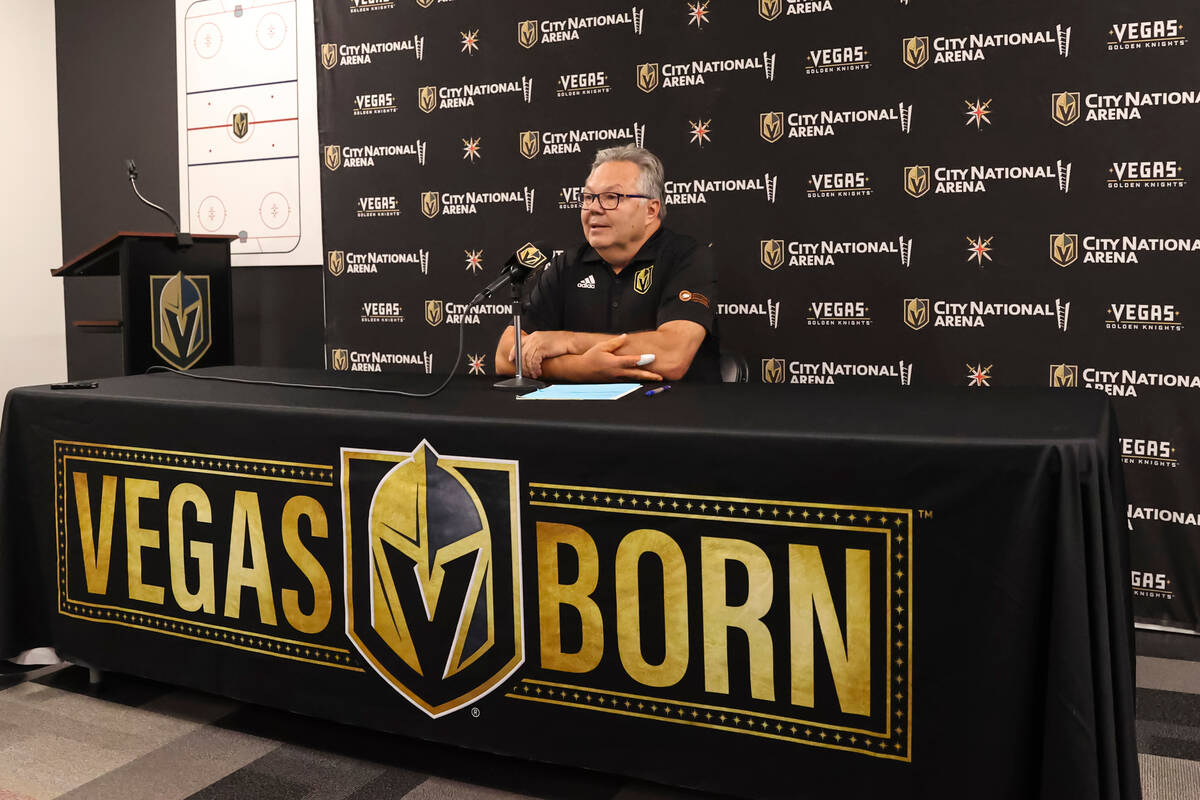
{"x": 99, "y": 248}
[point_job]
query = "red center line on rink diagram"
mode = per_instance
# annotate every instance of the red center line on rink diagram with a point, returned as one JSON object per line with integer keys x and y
{"x": 230, "y": 124}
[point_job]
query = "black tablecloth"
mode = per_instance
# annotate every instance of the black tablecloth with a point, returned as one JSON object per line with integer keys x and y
{"x": 760, "y": 590}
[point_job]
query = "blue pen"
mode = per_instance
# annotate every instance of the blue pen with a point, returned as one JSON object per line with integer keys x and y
{"x": 657, "y": 389}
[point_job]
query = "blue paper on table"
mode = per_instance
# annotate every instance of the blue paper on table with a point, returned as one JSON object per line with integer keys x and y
{"x": 582, "y": 391}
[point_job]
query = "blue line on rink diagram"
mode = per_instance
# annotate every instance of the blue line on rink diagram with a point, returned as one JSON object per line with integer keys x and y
{"x": 241, "y": 161}
{"x": 247, "y": 86}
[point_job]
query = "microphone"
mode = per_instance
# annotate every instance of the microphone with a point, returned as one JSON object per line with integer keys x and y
{"x": 528, "y": 259}
{"x": 182, "y": 238}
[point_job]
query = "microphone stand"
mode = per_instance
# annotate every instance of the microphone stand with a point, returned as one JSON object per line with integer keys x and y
{"x": 182, "y": 237}
{"x": 519, "y": 383}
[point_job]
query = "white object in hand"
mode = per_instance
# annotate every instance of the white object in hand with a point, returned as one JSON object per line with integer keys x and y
{"x": 647, "y": 358}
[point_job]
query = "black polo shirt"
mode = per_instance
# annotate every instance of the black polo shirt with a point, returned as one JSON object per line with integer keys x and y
{"x": 671, "y": 277}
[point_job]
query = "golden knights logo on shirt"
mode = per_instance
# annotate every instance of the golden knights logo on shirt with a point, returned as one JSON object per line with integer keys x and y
{"x": 644, "y": 280}
{"x": 433, "y": 583}
{"x": 180, "y": 318}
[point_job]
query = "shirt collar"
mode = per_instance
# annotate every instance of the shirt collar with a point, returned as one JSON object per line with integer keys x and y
{"x": 647, "y": 252}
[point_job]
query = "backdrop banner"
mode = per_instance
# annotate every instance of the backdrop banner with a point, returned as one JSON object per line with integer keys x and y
{"x": 896, "y": 192}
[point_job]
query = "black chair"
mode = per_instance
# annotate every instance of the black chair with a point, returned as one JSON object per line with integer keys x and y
{"x": 734, "y": 368}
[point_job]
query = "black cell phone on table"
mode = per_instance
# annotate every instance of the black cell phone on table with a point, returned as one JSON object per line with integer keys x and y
{"x": 75, "y": 385}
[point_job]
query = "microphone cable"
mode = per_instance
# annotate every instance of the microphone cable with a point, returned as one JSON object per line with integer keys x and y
{"x": 357, "y": 389}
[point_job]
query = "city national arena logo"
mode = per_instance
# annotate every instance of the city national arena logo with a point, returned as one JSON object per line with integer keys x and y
{"x": 1143, "y": 317}
{"x": 920, "y": 311}
{"x": 430, "y": 98}
{"x": 433, "y": 572}
{"x": 805, "y": 125}
{"x": 771, "y": 10}
{"x": 696, "y": 192}
{"x": 375, "y": 361}
{"x": 1120, "y": 382}
{"x": 357, "y": 156}
{"x": 1065, "y": 248}
{"x": 452, "y": 313}
{"x": 434, "y": 203}
{"x": 917, "y": 51}
{"x": 768, "y": 309}
{"x": 531, "y": 144}
{"x": 1151, "y": 33}
{"x": 652, "y": 75}
{"x": 1066, "y": 108}
{"x": 349, "y": 262}
{"x": 775, "y": 253}
{"x": 780, "y": 370}
{"x": 531, "y": 32}
{"x": 349, "y": 55}
{"x": 848, "y": 58}
{"x": 917, "y": 180}
{"x": 181, "y": 318}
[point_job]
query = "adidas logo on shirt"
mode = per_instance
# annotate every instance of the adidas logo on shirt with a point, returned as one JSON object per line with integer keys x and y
{"x": 587, "y": 283}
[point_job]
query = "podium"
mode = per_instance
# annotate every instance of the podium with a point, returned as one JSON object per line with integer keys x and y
{"x": 140, "y": 299}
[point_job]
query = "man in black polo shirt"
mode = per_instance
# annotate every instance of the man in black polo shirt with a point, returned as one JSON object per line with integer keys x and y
{"x": 654, "y": 288}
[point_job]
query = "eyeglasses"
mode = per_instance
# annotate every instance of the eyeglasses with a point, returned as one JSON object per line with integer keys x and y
{"x": 608, "y": 200}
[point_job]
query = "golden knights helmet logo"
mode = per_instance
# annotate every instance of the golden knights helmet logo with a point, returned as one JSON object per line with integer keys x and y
{"x": 435, "y": 312}
{"x": 647, "y": 77}
{"x": 241, "y": 124}
{"x": 531, "y": 143}
{"x": 427, "y": 98}
{"x": 527, "y": 33}
{"x": 433, "y": 584}
{"x": 329, "y": 56}
{"x": 337, "y": 262}
{"x": 774, "y": 370}
{"x": 915, "y": 51}
{"x": 1064, "y": 108}
{"x": 424, "y": 3}
{"x": 770, "y": 253}
{"x": 181, "y": 318}
{"x": 770, "y": 9}
{"x": 916, "y": 312}
{"x": 770, "y": 126}
{"x": 430, "y": 204}
{"x": 1064, "y": 248}
{"x": 333, "y": 156}
{"x": 1064, "y": 375}
{"x": 643, "y": 280}
{"x": 530, "y": 257}
{"x": 341, "y": 359}
{"x": 916, "y": 180}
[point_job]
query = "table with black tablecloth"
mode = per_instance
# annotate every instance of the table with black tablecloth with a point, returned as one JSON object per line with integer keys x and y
{"x": 763, "y": 590}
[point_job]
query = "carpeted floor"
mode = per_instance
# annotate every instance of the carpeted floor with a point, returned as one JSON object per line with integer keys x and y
{"x": 140, "y": 740}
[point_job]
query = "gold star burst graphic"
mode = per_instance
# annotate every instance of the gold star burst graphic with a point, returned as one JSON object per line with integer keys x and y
{"x": 475, "y": 364}
{"x": 979, "y": 248}
{"x": 701, "y": 130}
{"x": 698, "y": 13}
{"x": 978, "y": 112}
{"x": 979, "y": 375}
{"x": 471, "y": 148}
{"x": 474, "y": 260}
{"x": 470, "y": 42}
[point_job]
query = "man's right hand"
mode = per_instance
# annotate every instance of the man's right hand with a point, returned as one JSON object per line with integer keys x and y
{"x": 600, "y": 362}
{"x": 538, "y": 346}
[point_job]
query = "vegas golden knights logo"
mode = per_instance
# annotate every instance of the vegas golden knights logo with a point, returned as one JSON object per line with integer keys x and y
{"x": 530, "y": 257}
{"x": 916, "y": 312}
{"x": 337, "y": 262}
{"x": 1064, "y": 248}
{"x": 770, "y": 9}
{"x": 643, "y": 280}
{"x": 427, "y": 98}
{"x": 773, "y": 370}
{"x": 430, "y": 204}
{"x": 1064, "y": 375}
{"x": 434, "y": 312}
{"x": 647, "y": 77}
{"x": 916, "y": 51}
{"x": 1064, "y": 108}
{"x": 181, "y": 318}
{"x": 424, "y": 3}
{"x": 530, "y": 143}
{"x": 329, "y": 55}
{"x": 770, "y": 253}
{"x": 241, "y": 124}
{"x": 433, "y": 584}
{"x": 527, "y": 33}
{"x": 333, "y": 156}
{"x": 770, "y": 125}
{"x": 916, "y": 180}
{"x": 341, "y": 359}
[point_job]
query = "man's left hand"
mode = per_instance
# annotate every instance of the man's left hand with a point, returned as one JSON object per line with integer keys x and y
{"x": 537, "y": 347}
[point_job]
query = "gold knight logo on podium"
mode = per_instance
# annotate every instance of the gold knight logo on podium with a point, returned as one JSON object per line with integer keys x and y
{"x": 181, "y": 318}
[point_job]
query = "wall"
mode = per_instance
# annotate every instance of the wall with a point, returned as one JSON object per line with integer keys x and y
{"x": 31, "y": 319}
